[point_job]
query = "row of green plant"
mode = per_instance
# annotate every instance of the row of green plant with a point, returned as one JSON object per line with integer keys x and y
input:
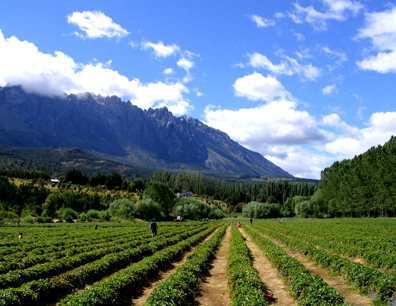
{"x": 18, "y": 277}
{"x": 369, "y": 243}
{"x": 44, "y": 246}
{"x": 18, "y": 263}
{"x": 54, "y": 288}
{"x": 245, "y": 283}
{"x": 182, "y": 286}
{"x": 308, "y": 289}
{"x": 124, "y": 283}
{"x": 363, "y": 277}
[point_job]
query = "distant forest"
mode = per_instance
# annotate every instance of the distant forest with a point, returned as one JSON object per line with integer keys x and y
{"x": 276, "y": 191}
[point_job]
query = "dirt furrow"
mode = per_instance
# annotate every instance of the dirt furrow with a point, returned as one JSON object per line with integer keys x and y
{"x": 348, "y": 292}
{"x": 214, "y": 288}
{"x": 141, "y": 299}
{"x": 269, "y": 274}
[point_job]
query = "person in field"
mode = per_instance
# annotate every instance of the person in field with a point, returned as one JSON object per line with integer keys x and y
{"x": 20, "y": 235}
{"x": 251, "y": 220}
{"x": 153, "y": 228}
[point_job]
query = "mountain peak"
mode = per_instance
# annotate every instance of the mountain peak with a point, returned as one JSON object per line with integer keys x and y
{"x": 154, "y": 138}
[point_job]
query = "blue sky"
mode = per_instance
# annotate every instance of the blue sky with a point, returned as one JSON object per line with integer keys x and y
{"x": 304, "y": 83}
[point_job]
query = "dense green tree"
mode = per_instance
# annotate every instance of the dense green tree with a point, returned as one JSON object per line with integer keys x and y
{"x": 75, "y": 176}
{"x": 362, "y": 186}
{"x": 161, "y": 194}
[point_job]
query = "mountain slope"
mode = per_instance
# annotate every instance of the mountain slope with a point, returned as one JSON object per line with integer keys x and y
{"x": 122, "y": 132}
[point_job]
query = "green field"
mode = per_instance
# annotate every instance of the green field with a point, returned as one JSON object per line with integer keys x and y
{"x": 319, "y": 262}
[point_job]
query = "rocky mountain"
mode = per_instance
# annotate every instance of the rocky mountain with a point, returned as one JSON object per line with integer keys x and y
{"x": 121, "y": 132}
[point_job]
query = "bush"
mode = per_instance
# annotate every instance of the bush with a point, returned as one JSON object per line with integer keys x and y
{"x": 28, "y": 219}
{"x": 192, "y": 209}
{"x": 78, "y": 201}
{"x": 122, "y": 208}
{"x": 216, "y": 213}
{"x": 148, "y": 209}
{"x": 67, "y": 214}
{"x": 261, "y": 210}
{"x": 93, "y": 214}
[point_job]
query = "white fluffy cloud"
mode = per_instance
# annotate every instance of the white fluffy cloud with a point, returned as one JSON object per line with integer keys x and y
{"x": 380, "y": 28}
{"x": 22, "y": 63}
{"x": 94, "y": 24}
{"x": 380, "y": 128}
{"x": 160, "y": 49}
{"x": 329, "y": 89}
{"x": 262, "y": 22}
{"x": 277, "y": 122}
{"x": 288, "y": 66}
{"x": 290, "y": 136}
{"x": 338, "y": 10}
{"x": 258, "y": 87}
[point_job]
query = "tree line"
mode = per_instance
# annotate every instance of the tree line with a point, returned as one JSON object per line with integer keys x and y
{"x": 364, "y": 186}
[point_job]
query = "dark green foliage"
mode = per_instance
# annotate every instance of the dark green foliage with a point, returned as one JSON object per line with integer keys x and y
{"x": 75, "y": 176}
{"x": 261, "y": 210}
{"x": 161, "y": 194}
{"x": 67, "y": 214}
{"x": 111, "y": 181}
{"x": 234, "y": 192}
{"x": 362, "y": 186}
{"x": 122, "y": 208}
{"x": 78, "y": 201}
{"x": 148, "y": 209}
{"x": 194, "y": 209}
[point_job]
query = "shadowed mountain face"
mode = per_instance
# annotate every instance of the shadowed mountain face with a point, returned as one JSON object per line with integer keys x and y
{"x": 109, "y": 127}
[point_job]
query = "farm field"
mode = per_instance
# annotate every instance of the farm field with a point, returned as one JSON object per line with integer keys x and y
{"x": 271, "y": 262}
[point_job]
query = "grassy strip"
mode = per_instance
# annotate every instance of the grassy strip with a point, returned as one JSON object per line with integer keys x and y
{"x": 308, "y": 289}
{"x": 120, "y": 286}
{"x": 51, "y": 289}
{"x": 245, "y": 283}
{"x": 360, "y": 276}
{"x": 180, "y": 288}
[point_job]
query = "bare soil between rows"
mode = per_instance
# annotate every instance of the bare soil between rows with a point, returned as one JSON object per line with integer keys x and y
{"x": 269, "y": 274}
{"x": 214, "y": 288}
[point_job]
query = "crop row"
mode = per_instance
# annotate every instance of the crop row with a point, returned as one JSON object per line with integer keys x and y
{"x": 47, "y": 245}
{"x": 361, "y": 276}
{"x": 51, "y": 289}
{"x": 245, "y": 283}
{"x": 181, "y": 287}
{"x": 18, "y": 277}
{"x": 31, "y": 260}
{"x": 122, "y": 284}
{"x": 308, "y": 289}
{"x": 373, "y": 246}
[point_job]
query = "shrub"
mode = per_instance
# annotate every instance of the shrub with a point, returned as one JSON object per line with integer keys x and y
{"x": 148, "y": 209}
{"x": 67, "y": 214}
{"x": 122, "y": 208}
{"x": 261, "y": 210}
{"x": 93, "y": 214}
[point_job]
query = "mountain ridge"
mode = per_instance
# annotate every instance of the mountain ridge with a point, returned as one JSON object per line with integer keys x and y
{"x": 121, "y": 131}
